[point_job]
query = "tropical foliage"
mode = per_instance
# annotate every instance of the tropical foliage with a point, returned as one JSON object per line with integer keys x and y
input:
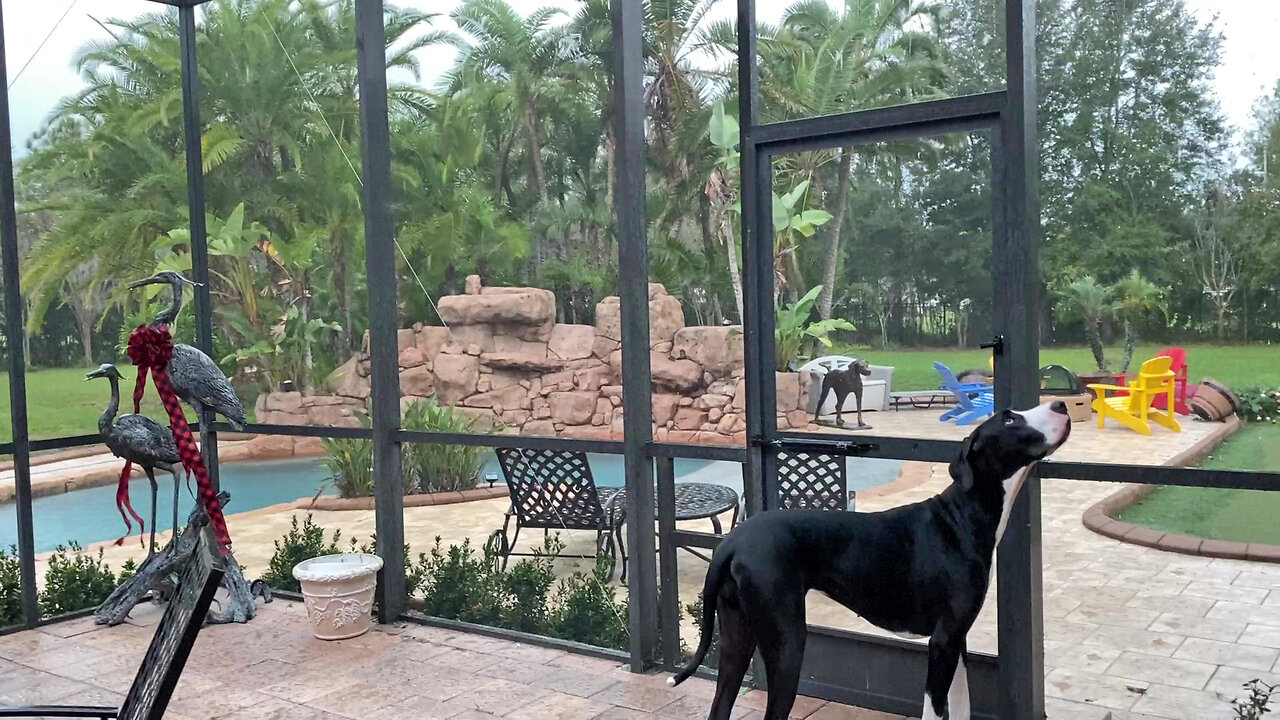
{"x": 504, "y": 165}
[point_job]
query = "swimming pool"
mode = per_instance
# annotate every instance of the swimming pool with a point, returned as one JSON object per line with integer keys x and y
{"x": 89, "y": 516}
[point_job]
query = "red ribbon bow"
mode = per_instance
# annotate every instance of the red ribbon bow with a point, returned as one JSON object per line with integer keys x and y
{"x": 151, "y": 348}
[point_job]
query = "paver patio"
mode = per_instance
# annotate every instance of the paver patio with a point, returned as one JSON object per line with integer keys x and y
{"x": 274, "y": 670}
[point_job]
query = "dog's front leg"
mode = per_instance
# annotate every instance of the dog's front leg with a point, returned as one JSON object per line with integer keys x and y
{"x": 947, "y": 685}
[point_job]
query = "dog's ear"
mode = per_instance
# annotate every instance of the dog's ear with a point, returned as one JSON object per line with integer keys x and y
{"x": 961, "y": 470}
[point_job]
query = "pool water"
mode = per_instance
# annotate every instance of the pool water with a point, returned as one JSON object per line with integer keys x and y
{"x": 89, "y": 516}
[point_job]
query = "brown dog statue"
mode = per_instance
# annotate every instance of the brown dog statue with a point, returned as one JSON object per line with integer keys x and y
{"x": 844, "y": 381}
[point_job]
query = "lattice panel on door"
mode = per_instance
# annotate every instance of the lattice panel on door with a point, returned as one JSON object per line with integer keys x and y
{"x": 553, "y": 488}
{"x": 812, "y": 481}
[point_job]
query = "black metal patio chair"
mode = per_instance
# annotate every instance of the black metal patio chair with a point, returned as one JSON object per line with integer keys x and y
{"x": 175, "y": 635}
{"x": 813, "y": 481}
{"x": 555, "y": 490}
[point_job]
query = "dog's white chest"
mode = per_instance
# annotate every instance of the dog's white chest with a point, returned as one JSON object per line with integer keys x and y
{"x": 1011, "y": 487}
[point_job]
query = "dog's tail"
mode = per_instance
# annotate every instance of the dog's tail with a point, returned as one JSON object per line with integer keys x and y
{"x": 710, "y": 591}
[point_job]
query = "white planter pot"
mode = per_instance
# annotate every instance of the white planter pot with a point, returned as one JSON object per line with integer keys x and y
{"x": 338, "y": 590}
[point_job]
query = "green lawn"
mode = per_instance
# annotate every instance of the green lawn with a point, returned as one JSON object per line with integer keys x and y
{"x": 1235, "y": 365}
{"x": 61, "y": 403}
{"x": 1240, "y": 515}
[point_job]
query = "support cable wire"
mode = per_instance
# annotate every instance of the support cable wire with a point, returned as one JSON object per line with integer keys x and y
{"x": 40, "y": 47}
{"x": 345, "y": 156}
{"x": 418, "y": 280}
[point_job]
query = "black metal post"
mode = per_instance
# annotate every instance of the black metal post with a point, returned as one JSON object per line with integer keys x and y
{"x": 633, "y": 254}
{"x": 380, "y": 260}
{"x": 192, "y": 140}
{"x": 1017, "y": 293}
{"x": 13, "y": 328}
{"x": 668, "y": 564}
{"x": 760, "y": 381}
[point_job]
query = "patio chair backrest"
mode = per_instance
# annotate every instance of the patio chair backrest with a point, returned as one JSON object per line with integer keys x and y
{"x": 812, "y": 481}
{"x": 552, "y": 488}
{"x": 1155, "y": 376}
{"x": 952, "y": 383}
{"x": 1179, "y": 365}
{"x": 176, "y": 634}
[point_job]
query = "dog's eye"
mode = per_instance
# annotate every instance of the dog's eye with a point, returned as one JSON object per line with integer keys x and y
{"x": 1009, "y": 418}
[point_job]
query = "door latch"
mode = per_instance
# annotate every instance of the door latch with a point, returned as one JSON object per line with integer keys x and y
{"x": 996, "y": 346}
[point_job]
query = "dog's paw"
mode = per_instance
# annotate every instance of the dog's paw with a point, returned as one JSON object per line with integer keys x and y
{"x": 671, "y": 681}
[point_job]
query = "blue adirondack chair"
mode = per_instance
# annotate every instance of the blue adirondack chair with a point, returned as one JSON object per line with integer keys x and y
{"x": 974, "y": 401}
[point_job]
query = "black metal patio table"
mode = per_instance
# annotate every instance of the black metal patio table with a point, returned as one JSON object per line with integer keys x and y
{"x": 694, "y": 501}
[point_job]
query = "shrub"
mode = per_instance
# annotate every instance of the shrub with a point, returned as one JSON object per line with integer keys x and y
{"x": 459, "y": 585}
{"x": 10, "y": 587}
{"x": 1258, "y": 702}
{"x": 1259, "y": 404}
{"x": 302, "y": 542}
{"x": 75, "y": 581}
{"x": 431, "y": 467}
{"x": 587, "y": 611}
{"x": 428, "y": 467}
{"x": 350, "y": 464}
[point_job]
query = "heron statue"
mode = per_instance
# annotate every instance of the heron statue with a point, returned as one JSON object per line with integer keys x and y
{"x": 140, "y": 440}
{"x": 195, "y": 377}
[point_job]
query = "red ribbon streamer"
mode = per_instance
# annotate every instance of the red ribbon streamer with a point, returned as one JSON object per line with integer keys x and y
{"x": 150, "y": 348}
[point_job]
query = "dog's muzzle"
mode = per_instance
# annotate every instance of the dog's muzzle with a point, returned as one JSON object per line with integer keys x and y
{"x": 1052, "y": 420}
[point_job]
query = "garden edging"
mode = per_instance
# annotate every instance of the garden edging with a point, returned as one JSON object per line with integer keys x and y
{"x": 1099, "y": 518}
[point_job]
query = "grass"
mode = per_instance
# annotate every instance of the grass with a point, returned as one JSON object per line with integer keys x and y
{"x": 60, "y": 402}
{"x": 1218, "y": 514}
{"x": 1234, "y": 365}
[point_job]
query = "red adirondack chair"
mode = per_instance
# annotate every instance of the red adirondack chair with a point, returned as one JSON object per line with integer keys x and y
{"x": 1181, "y": 392}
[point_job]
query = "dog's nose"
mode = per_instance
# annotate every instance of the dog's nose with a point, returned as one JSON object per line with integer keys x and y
{"x": 1058, "y": 406}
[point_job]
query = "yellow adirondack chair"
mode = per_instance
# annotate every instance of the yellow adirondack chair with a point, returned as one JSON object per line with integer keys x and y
{"x": 1134, "y": 410}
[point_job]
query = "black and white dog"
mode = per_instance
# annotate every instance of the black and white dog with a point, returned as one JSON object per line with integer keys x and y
{"x": 920, "y": 569}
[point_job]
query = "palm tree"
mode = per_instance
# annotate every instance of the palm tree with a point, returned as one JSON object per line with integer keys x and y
{"x": 868, "y": 53}
{"x": 1091, "y": 301}
{"x": 524, "y": 58}
{"x": 1135, "y": 298}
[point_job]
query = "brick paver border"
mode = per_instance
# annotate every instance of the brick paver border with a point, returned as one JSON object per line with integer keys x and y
{"x": 1100, "y": 518}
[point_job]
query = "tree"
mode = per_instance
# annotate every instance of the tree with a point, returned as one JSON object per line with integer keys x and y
{"x": 1217, "y": 259}
{"x": 1092, "y": 302}
{"x": 1135, "y": 298}
{"x": 867, "y": 53}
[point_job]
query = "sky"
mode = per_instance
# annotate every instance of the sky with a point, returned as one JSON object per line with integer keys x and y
{"x": 1250, "y": 67}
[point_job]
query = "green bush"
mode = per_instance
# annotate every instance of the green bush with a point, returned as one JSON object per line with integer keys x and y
{"x": 75, "y": 581}
{"x": 587, "y": 611}
{"x": 302, "y": 542}
{"x": 10, "y": 587}
{"x": 431, "y": 467}
{"x": 461, "y": 585}
{"x": 1259, "y": 404}
{"x": 350, "y": 464}
{"x": 427, "y": 467}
